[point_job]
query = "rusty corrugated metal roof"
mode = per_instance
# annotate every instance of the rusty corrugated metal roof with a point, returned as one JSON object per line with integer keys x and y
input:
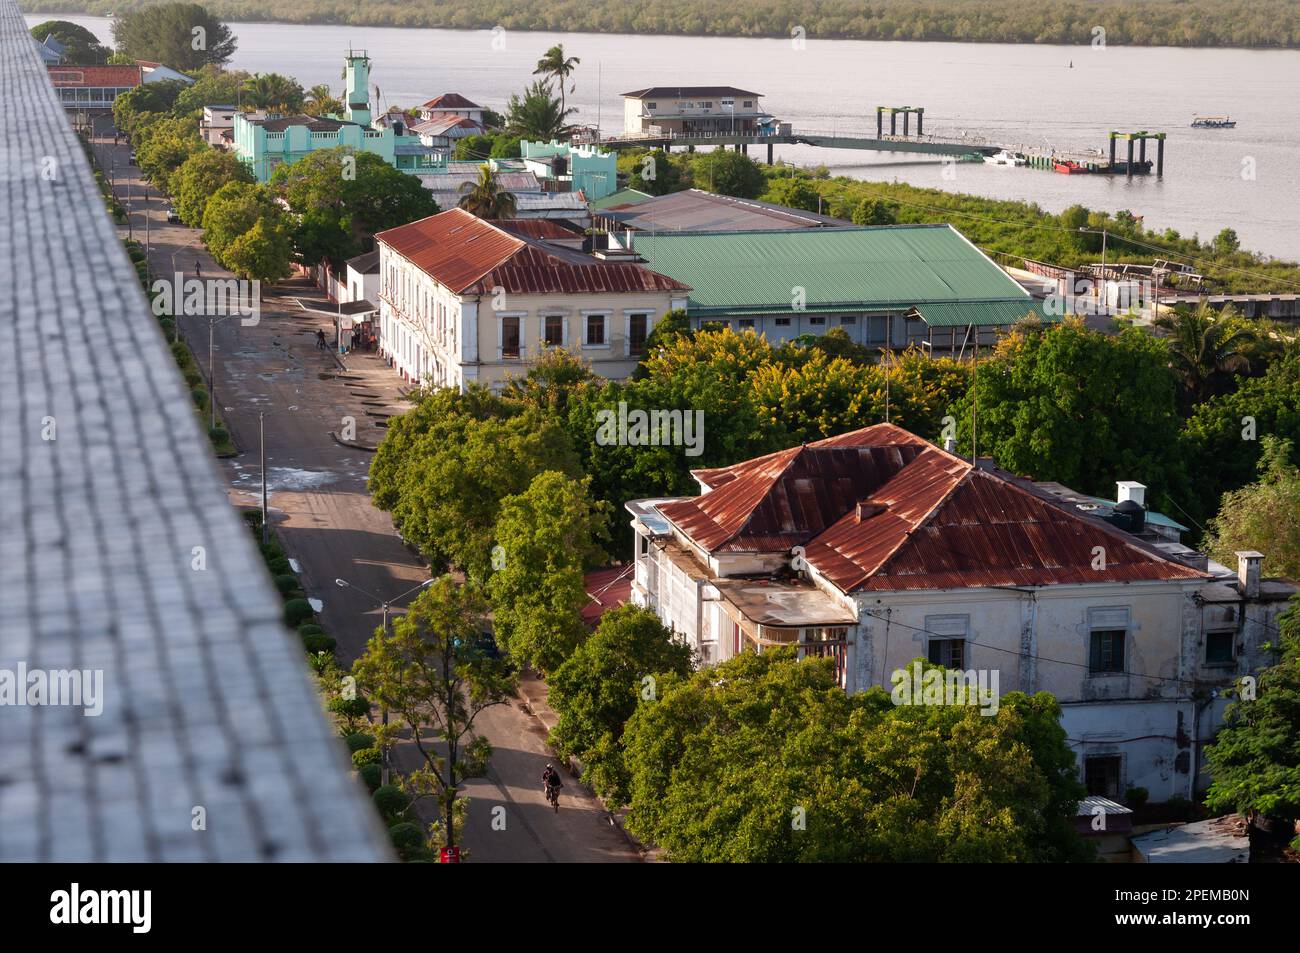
{"x": 471, "y": 256}
{"x": 927, "y": 520}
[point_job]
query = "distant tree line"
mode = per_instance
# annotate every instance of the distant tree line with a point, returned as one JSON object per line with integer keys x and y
{"x": 1263, "y": 24}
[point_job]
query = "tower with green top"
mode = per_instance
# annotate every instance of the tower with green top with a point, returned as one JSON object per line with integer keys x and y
{"x": 357, "y": 105}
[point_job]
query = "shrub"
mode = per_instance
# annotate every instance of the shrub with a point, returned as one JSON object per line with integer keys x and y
{"x": 279, "y": 565}
{"x": 286, "y": 583}
{"x": 309, "y": 629}
{"x": 136, "y": 253}
{"x": 168, "y": 325}
{"x": 359, "y": 741}
{"x": 391, "y": 801}
{"x": 193, "y": 378}
{"x": 319, "y": 643}
{"x": 218, "y": 435}
{"x": 1136, "y": 797}
{"x": 252, "y": 517}
{"x": 408, "y": 839}
{"x": 270, "y": 550}
{"x": 200, "y": 397}
{"x": 351, "y": 708}
{"x": 181, "y": 352}
{"x": 366, "y": 756}
{"x": 371, "y": 776}
{"x": 297, "y": 611}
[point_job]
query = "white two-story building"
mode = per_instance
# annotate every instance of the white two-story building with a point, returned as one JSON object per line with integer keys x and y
{"x": 463, "y": 300}
{"x": 876, "y": 547}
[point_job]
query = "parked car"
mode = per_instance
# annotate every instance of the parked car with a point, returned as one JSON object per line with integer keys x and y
{"x": 172, "y": 216}
{"x": 132, "y": 159}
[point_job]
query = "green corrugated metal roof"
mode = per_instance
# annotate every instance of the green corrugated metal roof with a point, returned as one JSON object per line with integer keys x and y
{"x": 621, "y": 197}
{"x": 854, "y": 268}
{"x": 953, "y": 314}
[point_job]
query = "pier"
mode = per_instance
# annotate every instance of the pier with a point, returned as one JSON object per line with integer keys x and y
{"x": 962, "y": 148}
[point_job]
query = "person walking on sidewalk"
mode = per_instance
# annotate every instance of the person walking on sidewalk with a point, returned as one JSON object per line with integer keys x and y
{"x": 320, "y": 340}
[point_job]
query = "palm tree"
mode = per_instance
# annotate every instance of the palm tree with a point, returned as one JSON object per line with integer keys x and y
{"x": 554, "y": 65}
{"x": 321, "y": 102}
{"x": 1204, "y": 345}
{"x": 539, "y": 115}
{"x": 485, "y": 198}
{"x": 272, "y": 92}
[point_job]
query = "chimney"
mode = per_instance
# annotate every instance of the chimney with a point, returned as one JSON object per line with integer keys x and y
{"x": 627, "y": 242}
{"x": 1129, "y": 490}
{"x": 1248, "y": 563}
{"x": 867, "y": 510}
{"x": 950, "y": 444}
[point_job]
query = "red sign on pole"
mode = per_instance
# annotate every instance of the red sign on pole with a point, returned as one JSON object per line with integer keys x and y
{"x": 449, "y": 855}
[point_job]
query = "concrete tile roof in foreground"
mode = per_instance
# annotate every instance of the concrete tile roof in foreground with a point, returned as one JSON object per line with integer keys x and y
{"x": 206, "y": 697}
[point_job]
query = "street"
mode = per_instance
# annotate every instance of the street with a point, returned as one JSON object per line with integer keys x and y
{"x": 323, "y": 516}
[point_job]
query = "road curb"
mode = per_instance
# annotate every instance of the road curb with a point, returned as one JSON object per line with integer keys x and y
{"x": 351, "y": 445}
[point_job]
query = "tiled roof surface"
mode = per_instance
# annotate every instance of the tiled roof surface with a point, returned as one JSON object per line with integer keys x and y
{"x": 206, "y": 696}
{"x": 95, "y": 76}
{"x": 470, "y": 256}
{"x": 882, "y": 509}
{"x": 450, "y": 101}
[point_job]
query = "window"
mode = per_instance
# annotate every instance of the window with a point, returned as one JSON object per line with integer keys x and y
{"x": 510, "y": 337}
{"x": 950, "y": 653}
{"x": 849, "y": 319}
{"x": 652, "y": 105}
{"x": 817, "y": 321}
{"x": 782, "y": 322}
{"x": 1101, "y": 775}
{"x": 595, "y": 330}
{"x": 637, "y": 330}
{"x": 749, "y": 104}
{"x": 553, "y": 333}
{"x": 1219, "y": 648}
{"x": 1106, "y": 651}
{"x": 746, "y": 322}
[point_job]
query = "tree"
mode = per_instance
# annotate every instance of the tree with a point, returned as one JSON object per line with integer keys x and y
{"x": 273, "y": 92}
{"x": 262, "y": 253}
{"x": 1226, "y": 242}
{"x": 433, "y": 675}
{"x": 1065, "y": 403}
{"x": 185, "y": 36}
{"x": 81, "y": 47}
{"x": 538, "y": 115}
{"x": 1263, "y": 516}
{"x": 555, "y": 65}
{"x": 1255, "y": 758}
{"x": 147, "y": 103}
{"x": 444, "y": 467}
{"x": 198, "y": 179}
{"x": 164, "y": 145}
{"x": 766, "y": 759}
{"x": 820, "y": 397}
{"x": 320, "y": 102}
{"x": 596, "y": 691}
{"x": 729, "y": 173}
{"x": 212, "y": 86}
{"x": 341, "y": 197}
{"x": 795, "y": 192}
{"x": 485, "y": 197}
{"x": 1206, "y": 348}
{"x": 657, "y": 173}
{"x": 1221, "y": 440}
{"x": 874, "y": 212}
{"x": 545, "y": 538}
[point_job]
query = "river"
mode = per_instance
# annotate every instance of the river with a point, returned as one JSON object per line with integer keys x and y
{"x": 1247, "y": 178}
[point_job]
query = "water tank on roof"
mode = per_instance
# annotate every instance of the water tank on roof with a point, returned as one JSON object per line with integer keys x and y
{"x": 1130, "y": 516}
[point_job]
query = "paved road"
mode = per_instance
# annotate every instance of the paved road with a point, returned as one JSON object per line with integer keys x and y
{"x": 323, "y": 515}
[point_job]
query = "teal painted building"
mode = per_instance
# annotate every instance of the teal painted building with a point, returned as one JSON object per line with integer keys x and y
{"x": 265, "y": 144}
{"x": 593, "y": 170}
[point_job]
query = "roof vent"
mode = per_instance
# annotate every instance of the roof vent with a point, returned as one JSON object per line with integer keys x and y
{"x": 866, "y": 510}
{"x": 1130, "y": 490}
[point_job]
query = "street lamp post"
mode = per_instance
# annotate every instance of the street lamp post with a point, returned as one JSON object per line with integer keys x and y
{"x": 385, "y": 605}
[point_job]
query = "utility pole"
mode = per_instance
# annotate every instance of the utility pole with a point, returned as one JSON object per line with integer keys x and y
{"x": 261, "y": 434}
{"x": 212, "y": 378}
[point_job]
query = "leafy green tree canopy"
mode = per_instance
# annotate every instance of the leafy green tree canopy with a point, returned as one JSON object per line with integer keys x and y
{"x": 184, "y": 36}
